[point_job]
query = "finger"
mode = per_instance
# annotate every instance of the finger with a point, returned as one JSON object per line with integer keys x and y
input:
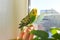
{"x": 31, "y": 37}
{"x": 21, "y": 35}
{"x": 26, "y": 35}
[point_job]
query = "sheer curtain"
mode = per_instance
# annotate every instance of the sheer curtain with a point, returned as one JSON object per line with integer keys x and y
{"x": 11, "y": 12}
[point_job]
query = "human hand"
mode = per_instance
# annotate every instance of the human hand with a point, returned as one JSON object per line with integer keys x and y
{"x": 25, "y": 35}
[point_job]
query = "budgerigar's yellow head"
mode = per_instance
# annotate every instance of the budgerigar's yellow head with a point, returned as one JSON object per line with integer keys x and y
{"x": 34, "y": 11}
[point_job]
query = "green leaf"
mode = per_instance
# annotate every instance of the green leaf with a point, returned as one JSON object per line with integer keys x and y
{"x": 51, "y": 39}
{"x": 37, "y": 38}
{"x": 40, "y": 33}
{"x": 56, "y": 36}
{"x": 53, "y": 30}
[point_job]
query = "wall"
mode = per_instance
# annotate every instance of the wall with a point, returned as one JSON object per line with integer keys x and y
{"x": 11, "y": 12}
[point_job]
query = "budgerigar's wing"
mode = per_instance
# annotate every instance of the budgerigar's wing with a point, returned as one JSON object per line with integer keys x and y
{"x": 24, "y": 21}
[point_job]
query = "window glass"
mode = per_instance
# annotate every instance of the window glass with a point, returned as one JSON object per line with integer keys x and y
{"x": 45, "y": 5}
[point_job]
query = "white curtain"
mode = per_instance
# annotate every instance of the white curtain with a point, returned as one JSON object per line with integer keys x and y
{"x": 11, "y": 12}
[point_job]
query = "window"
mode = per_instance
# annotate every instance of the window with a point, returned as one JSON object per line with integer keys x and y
{"x": 45, "y": 5}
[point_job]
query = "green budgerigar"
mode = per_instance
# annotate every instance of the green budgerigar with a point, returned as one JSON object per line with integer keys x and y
{"x": 29, "y": 19}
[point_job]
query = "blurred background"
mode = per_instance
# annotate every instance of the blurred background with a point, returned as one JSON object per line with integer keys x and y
{"x": 11, "y": 12}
